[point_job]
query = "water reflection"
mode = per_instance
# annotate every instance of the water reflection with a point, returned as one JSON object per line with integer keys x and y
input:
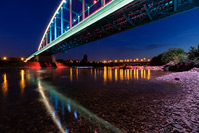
{"x": 142, "y": 74}
{"x": 5, "y": 85}
{"x": 22, "y": 83}
{"x": 116, "y": 75}
{"x": 71, "y": 74}
{"x": 91, "y": 71}
{"x": 149, "y": 74}
{"x": 105, "y": 74}
{"x": 126, "y": 75}
{"x": 95, "y": 74}
{"x": 137, "y": 73}
{"x": 28, "y": 76}
{"x": 64, "y": 110}
{"x": 131, "y": 74}
{"x": 110, "y": 74}
{"x": 134, "y": 74}
{"x": 77, "y": 73}
{"x": 72, "y": 108}
{"x": 50, "y": 109}
{"x": 121, "y": 74}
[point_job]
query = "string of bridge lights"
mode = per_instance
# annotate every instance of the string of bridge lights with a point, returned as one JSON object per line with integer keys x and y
{"x": 6, "y": 58}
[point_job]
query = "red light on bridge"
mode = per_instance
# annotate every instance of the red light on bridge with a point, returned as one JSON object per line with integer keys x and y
{"x": 94, "y": 1}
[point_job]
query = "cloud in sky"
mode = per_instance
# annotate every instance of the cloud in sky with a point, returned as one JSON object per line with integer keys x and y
{"x": 145, "y": 47}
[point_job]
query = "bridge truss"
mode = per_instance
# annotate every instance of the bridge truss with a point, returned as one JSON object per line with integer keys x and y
{"x": 73, "y": 26}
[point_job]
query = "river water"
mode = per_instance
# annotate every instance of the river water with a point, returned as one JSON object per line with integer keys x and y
{"x": 83, "y": 100}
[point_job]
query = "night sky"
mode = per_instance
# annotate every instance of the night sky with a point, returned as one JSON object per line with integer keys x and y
{"x": 23, "y": 22}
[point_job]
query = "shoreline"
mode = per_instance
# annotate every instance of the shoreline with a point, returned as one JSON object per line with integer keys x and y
{"x": 184, "y": 114}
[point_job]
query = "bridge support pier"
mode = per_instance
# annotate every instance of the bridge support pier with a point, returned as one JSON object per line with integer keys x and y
{"x": 44, "y": 58}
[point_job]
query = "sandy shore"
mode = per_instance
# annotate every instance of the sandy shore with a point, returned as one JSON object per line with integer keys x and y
{"x": 184, "y": 115}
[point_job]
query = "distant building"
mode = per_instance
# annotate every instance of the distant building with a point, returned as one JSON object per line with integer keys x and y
{"x": 85, "y": 59}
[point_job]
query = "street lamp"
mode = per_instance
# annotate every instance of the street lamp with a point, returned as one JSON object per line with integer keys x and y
{"x": 22, "y": 59}
{"x": 4, "y": 58}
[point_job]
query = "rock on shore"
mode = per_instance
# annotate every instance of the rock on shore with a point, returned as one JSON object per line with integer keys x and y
{"x": 184, "y": 113}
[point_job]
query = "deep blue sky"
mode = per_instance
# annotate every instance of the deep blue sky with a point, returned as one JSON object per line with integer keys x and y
{"x": 22, "y": 23}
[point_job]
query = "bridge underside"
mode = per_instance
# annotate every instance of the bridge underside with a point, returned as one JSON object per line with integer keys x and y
{"x": 135, "y": 14}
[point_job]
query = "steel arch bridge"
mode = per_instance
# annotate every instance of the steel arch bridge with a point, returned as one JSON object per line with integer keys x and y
{"x": 78, "y": 22}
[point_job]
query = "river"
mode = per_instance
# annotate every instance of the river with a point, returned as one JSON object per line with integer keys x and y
{"x": 83, "y": 100}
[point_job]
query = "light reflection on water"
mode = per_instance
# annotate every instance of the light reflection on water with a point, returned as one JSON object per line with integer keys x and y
{"x": 121, "y": 74}
{"x": 28, "y": 76}
{"x": 124, "y": 75}
{"x": 95, "y": 74}
{"x": 105, "y": 75}
{"x": 77, "y": 73}
{"x": 22, "y": 82}
{"x": 110, "y": 76}
{"x": 5, "y": 85}
{"x": 116, "y": 75}
{"x": 50, "y": 109}
{"x": 54, "y": 100}
{"x": 57, "y": 100}
{"x": 71, "y": 74}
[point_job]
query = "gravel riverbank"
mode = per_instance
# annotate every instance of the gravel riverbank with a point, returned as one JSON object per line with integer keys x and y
{"x": 184, "y": 113}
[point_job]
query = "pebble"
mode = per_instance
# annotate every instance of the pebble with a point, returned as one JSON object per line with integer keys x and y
{"x": 185, "y": 111}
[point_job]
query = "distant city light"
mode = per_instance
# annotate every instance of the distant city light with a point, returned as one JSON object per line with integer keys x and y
{"x": 127, "y": 60}
{"x": 22, "y": 59}
{"x": 4, "y": 58}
